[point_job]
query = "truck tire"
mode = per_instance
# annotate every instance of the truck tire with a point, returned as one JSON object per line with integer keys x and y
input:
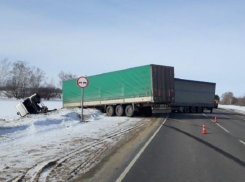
{"x": 129, "y": 111}
{"x": 199, "y": 109}
{"x": 193, "y": 109}
{"x": 119, "y": 110}
{"x": 148, "y": 112}
{"x": 110, "y": 111}
{"x": 186, "y": 109}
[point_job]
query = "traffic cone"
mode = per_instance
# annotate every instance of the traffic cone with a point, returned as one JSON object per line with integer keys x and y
{"x": 204, "y": 129}
{"x": 215, "y": 120}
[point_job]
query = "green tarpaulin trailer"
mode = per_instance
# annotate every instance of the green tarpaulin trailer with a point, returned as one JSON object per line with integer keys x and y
{"x": 140, "y": 89}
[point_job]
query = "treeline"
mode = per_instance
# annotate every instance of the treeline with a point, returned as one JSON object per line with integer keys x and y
{"x": 20, "y": 80}
{"x": 228, "y": 98}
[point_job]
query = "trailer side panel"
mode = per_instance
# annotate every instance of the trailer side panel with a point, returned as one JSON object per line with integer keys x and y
{"x": 144, "y": 84}
{"x": 123, "y": 84}
{"x": 194, "y": 93}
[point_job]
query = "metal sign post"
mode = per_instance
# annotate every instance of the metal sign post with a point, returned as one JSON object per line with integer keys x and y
{"x": 82, "y": 95}
{"x": 82, "y": 82}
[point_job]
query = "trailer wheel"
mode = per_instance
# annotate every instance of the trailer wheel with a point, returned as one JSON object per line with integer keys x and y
{"x": 129, "y": 111}
{"x": 199, "y": 109}
{"x": 119, "y": 110}
{"x": 193, "y": 109}
{"x": 186, "y": 109}
{"x": 110, "y": 111}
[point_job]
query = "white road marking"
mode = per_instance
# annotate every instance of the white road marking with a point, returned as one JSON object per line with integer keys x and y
{"x": 242, "y": 142}
{"x": 204, "y": 115}
{"x": 122, "y": 176}
{"x": 218, "y": 124}
{"x": 222, "y": 127}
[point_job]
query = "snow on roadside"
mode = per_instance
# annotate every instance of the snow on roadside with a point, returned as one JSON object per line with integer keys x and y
{"x": 239, "y": 109}
{"x": 30, "y": 143}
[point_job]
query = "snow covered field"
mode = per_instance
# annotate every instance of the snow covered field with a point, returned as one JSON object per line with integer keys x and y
{"x": 239, "y": 109}
{"x": 56, "y": 146}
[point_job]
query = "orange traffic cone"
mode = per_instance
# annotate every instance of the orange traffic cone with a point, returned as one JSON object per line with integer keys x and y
{"x": 215, "y": 120}
{"x": 204, "y": 129}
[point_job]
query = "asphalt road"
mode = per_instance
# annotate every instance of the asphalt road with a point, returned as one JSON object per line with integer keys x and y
{"x": 180, "y": 152}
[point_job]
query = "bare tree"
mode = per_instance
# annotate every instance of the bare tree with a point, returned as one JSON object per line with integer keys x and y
{"x": 227, "y": 98}
{"x": 19, "y": 80}
{"x": 37, "y": 79}
{"x": 23, "y": 80}
{"x": 240, "y": 101}
{"x": 4, "y": 69}
{"x": 65, "y": 76}
{"x": 50, "y": 91}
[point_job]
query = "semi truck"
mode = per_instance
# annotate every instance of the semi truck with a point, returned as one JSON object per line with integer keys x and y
{"x": 193, "y": 96}
{"x": 143, "y": 89}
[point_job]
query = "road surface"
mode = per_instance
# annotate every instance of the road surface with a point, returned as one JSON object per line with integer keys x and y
{"x": 179, "y": 152}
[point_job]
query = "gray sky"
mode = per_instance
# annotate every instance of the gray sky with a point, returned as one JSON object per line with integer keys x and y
{"x": 204, "y": 40}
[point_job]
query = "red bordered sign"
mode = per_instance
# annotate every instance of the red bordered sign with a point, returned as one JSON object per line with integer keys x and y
{"x": 82, "y": 82}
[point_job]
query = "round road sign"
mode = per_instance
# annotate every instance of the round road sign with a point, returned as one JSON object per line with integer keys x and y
{"x": 82, "y": 82}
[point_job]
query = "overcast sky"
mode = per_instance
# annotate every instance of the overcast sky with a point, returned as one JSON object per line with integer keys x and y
{"x": 204, "y": 40}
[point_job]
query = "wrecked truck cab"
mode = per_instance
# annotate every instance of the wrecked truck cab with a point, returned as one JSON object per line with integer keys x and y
{"x": 31, "y": 105}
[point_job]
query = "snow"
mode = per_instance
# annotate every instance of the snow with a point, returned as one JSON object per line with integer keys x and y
{"x": 238, "y": 109}
{"x": 41, "y": 146}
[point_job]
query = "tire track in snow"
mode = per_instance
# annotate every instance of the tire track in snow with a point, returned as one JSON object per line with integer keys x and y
{"x": 45, "y": 170}
{"x": 99, "y": 144}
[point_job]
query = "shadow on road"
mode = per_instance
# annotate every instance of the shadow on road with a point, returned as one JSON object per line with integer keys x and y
{"x": 238, "y": 161}
{"x": 190, "y": 116}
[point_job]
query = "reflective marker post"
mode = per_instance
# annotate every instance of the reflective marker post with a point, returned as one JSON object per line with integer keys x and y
{"x": 82, "y": 82}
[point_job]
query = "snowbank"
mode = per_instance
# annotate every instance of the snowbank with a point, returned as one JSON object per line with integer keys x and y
{"x": 239, "y": 109}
